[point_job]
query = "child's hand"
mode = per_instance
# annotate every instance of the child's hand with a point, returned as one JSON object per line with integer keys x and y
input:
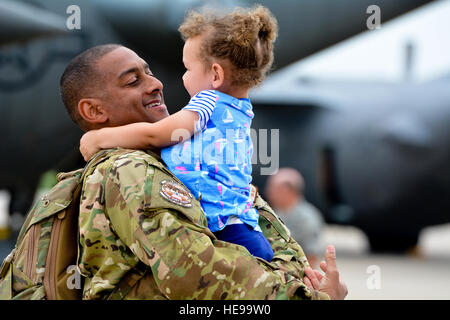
{"x": 89, "y": 145}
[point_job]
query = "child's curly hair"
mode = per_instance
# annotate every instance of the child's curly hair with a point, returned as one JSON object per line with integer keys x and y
{"x": 244, "y": 37}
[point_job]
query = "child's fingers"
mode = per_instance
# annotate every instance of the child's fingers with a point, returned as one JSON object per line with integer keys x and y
{"x": 318, "y": 275}
{"x": 308, "y": 283}
{"x": 312, "y": 277}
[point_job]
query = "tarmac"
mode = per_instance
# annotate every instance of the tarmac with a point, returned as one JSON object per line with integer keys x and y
{"x": 423, "y": 274}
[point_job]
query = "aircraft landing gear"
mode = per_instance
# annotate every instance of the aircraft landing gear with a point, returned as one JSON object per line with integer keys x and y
{"x": 381, "y": 242}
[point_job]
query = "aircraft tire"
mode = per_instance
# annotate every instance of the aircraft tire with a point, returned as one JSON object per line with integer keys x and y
{"x": 392, "y": 243}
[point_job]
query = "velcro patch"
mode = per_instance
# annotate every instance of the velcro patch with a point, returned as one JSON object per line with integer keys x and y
{"x": 176, "y": 193}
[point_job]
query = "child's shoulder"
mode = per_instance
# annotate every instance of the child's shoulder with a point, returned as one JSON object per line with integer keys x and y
{"x": 206, "y": 94}
{"x": 214, "y": 94}
{"x": 213, "y": 99}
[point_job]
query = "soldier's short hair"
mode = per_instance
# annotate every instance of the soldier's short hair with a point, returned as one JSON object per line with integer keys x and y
{"x": 79, "y": 79}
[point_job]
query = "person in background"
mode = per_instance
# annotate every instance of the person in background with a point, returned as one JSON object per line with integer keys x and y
{"x": 285, "y": 194}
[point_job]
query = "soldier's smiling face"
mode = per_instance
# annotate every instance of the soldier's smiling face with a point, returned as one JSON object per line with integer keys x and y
{"x": 132, "y": 92}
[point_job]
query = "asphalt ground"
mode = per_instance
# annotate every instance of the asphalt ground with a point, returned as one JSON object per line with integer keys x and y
{"x": 422, "y": 274}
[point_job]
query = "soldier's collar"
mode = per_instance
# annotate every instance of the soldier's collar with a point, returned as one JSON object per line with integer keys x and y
{"x": 156, "y": 153}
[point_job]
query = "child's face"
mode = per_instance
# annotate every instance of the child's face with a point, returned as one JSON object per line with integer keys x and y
{"x": 197, "y": 77}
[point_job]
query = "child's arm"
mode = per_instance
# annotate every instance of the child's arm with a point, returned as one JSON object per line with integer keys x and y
{"x": 171, "y": 130}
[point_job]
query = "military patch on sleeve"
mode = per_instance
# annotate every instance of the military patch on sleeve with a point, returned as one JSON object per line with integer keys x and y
{"x": 176, "y": 193}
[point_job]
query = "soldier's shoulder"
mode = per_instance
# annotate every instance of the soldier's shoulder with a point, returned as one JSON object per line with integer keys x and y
{"x": 120, "y": 164}
{"x": 120, "y": 157}
{"x": 131, "y": 167}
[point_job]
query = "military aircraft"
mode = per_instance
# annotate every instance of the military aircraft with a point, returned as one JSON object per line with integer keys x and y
{"x": 379, "y": 163}
{"x": 374, "y": 152}
{"x": 36, "y": 132}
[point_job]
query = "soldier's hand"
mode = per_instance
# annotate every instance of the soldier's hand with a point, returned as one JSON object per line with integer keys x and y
{"x": 331, "y": 282}
{"x": 89, "y": 145}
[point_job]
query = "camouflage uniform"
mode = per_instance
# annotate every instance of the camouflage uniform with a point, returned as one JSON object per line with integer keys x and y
{"x": 137, "y": 221}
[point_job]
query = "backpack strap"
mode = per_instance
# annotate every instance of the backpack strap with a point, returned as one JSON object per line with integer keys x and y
{"x": 66, "y": 223}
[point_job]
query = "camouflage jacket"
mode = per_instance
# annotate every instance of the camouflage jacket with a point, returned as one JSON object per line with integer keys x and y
{"x": 137, "y": 219}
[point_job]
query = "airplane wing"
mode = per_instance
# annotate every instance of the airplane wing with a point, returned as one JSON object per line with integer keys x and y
{"x": 285, "y": 88}
{"x": 22, "y": 22}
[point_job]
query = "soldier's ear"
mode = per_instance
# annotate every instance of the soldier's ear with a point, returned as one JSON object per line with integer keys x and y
{"x": 92, "y": 111}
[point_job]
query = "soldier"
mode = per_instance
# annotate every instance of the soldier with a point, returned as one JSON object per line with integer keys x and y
{"x": 142, "y": 234}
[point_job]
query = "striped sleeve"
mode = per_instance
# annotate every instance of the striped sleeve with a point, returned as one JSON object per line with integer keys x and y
{"x": 203, "y": 103}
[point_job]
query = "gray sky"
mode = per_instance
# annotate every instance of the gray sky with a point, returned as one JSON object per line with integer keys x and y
{"x": 380, "y": 54}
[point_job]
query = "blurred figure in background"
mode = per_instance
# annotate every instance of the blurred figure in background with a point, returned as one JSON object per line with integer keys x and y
{"x": 285, "y": 194}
